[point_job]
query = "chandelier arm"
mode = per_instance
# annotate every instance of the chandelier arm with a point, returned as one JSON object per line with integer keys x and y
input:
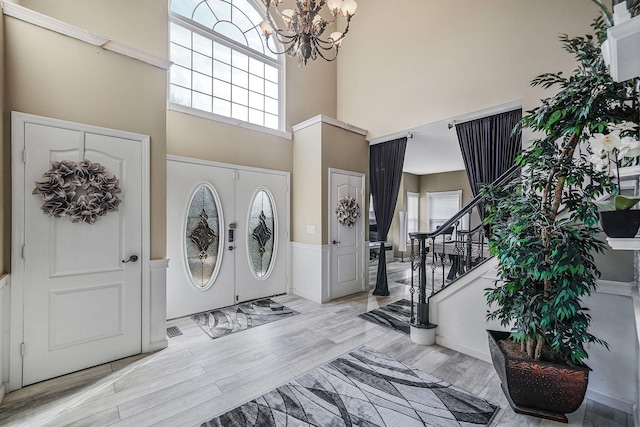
{"x": 324, "y": 57}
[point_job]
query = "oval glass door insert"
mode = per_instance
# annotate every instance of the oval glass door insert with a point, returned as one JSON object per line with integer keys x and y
{"x": 202, "y": 237}
{"x": 261, "y": 233}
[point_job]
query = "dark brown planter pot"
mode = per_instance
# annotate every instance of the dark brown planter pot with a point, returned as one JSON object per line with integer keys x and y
{"x": 533, "y": 387}
{"x": 620, "y": 224}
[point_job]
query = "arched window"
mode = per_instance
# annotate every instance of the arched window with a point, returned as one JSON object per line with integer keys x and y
{"x": 221, "y": 64}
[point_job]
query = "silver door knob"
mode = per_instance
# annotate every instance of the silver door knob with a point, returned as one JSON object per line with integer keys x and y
{"x": 335, "y": 242}
{"x": 132, "y": 258}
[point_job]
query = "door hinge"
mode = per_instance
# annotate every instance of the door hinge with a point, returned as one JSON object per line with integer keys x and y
{"x": 237, "y": 297}
{"x": 22, "y": 349}
{"x": 24, "y": 252}
{"x": 24, "y": 156}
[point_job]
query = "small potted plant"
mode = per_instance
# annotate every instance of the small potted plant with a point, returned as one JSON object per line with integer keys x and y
{"x": 618, "y": 145}
{"x": 544, "y": 232}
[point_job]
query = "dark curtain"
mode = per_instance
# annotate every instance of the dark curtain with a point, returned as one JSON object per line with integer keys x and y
{"x": 489, "y": 147}
{"x": 385, "y": 172}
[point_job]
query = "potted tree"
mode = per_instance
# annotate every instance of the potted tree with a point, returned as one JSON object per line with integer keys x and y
{"x": 544, "y": 232}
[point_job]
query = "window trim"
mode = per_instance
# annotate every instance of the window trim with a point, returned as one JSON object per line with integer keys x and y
{"x": 416, "y": 195}
{"x": 280, "y": 64}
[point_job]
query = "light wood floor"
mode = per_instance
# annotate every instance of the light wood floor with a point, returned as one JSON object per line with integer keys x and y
{"x": 197, "y": 378}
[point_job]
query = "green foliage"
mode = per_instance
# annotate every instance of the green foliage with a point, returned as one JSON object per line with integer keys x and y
{"x": 544, "y": 225}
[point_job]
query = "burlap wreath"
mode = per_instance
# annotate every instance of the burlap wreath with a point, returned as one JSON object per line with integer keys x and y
{"x": 84, "y": 191}
{"x": 347, "y": 211}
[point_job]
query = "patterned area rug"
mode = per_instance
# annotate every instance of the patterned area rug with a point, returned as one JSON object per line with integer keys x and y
{"x": 363, "y": 388}
{"x": 228, "y": 320}
{"x": 395, "y": 315}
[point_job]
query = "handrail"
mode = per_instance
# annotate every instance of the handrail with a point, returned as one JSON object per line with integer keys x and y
{"x": 466, "y": 251}
{"x": 501, "y": 180}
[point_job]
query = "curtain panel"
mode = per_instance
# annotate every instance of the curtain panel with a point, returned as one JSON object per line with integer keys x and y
{"x": 385, "y": 172}
{"x": 489, "y": 146}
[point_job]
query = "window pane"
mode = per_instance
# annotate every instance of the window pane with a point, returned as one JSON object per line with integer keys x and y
{"x": 222, "y": 53}
{"x": 202, "y": 237}
{"x": 240, "y": 78}
{"x": 256, "y": 84}
{"x": 202, "y": 102}
{"x": 271, "y": 73}
{"x": 256, "y": 117}
{"x": 254, "y": 40}
{"x": 239, "y": 112}
{"x": 180, "y": 76}
{"x": 202, "y": 64}
{"x": 227, "y": 29}
{"x": 240, "y": 60}
{"x": 180, "y": 35}
{"x": 202, "y": 83}
{"x": 271, "y": 121}
{"x": 221, "y": 71}
{"x": 241, "y": 20}
{"x": 184, "y": 7}
{"x": 204, "y": 16}
{"x": 256, "y": 67}
{"x": 221, "y": 9}
{"x": 222, "y": 89}
{"x": 202, "y": 44}
{"x": 240, "y": 95}
{"x": 256, "y": 101}
{"x": 261, "y": 233}
{"x": 271, "y": 105}
{"x": 179, "y": 95}
{"x": 222, "y": 107}
{"x": 247, "y": 9}
{"x": 180, "y": 55}
{"x": 271, "y": 89}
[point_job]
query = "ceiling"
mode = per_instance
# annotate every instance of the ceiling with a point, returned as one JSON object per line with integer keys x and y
{"x": 434, "y": 147}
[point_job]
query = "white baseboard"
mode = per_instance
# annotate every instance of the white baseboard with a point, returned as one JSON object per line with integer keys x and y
{"x": 463, "y": 349}
{"x": 612, "y": 402}
{"x": 3, "y": 389}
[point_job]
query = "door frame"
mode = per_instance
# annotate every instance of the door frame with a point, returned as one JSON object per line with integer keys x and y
{"x": 18, "y": 185}
{"x": 365, "y": 218}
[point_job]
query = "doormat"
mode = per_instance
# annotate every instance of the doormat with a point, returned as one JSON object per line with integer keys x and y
{"x": 395, "y": 315}
{"x": 364, "y": 388}
{"x": 229, "y": 320}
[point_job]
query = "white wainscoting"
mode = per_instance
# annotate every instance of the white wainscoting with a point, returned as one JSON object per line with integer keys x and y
{"x": 5, "y": 306}
{"x": 310, "y": 273}
{"x": 459, "y": 312}
{"x": 158, "y": 305}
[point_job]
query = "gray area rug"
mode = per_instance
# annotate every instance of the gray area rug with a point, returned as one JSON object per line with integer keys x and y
{"x": 395, "y": 315}
{"x": 228, "y": 320}
{"x": 363, "y": 388}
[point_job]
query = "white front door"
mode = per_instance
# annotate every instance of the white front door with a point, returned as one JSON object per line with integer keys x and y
{"x": 82, "y": 303}
{"x": 262, "y": 203}
{"x": 346, "y": 242}
{"x": 247, "y": 219}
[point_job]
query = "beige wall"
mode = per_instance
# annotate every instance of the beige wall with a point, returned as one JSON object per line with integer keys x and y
{"x": 306, "y": 188}
{"x": 317, "y": 148}
{"x": 446, "y": 58}
{"x": 52, "y": 75}
{"x": 409, "y": 182}
{"x": 448, "y": 181}
{"x": 346, "y": 150}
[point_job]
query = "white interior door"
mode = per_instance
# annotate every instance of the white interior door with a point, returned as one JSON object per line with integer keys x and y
{"x": 185, "y": 293}
{"x": 262, "y": 206}
{"x": 82, "y": 304}
{"x": 253, "y": 228}
{"x": 346, "y": 243}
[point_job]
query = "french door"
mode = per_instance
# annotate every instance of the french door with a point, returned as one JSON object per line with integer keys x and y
{"x": 227, "y": 235}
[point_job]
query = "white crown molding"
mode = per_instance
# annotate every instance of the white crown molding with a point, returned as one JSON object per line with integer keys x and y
{"x": 321, "y": 118}
{"x": 25, "y": 14}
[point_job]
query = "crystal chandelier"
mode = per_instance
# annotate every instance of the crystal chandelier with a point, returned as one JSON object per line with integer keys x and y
{"x": 303, "y": 36}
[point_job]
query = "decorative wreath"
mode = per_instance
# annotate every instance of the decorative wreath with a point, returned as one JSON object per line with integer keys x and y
{"x": 84, "y": 190}
{"x": 347, "y": 211}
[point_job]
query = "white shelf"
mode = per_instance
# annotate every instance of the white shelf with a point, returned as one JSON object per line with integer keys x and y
{"x": 632, "y": 244}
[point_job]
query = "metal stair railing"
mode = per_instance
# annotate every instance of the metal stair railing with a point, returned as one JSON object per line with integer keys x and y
{"x": 457, "y": 247}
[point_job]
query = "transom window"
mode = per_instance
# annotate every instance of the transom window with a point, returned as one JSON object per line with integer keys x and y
{"x": 221, "y": 64}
